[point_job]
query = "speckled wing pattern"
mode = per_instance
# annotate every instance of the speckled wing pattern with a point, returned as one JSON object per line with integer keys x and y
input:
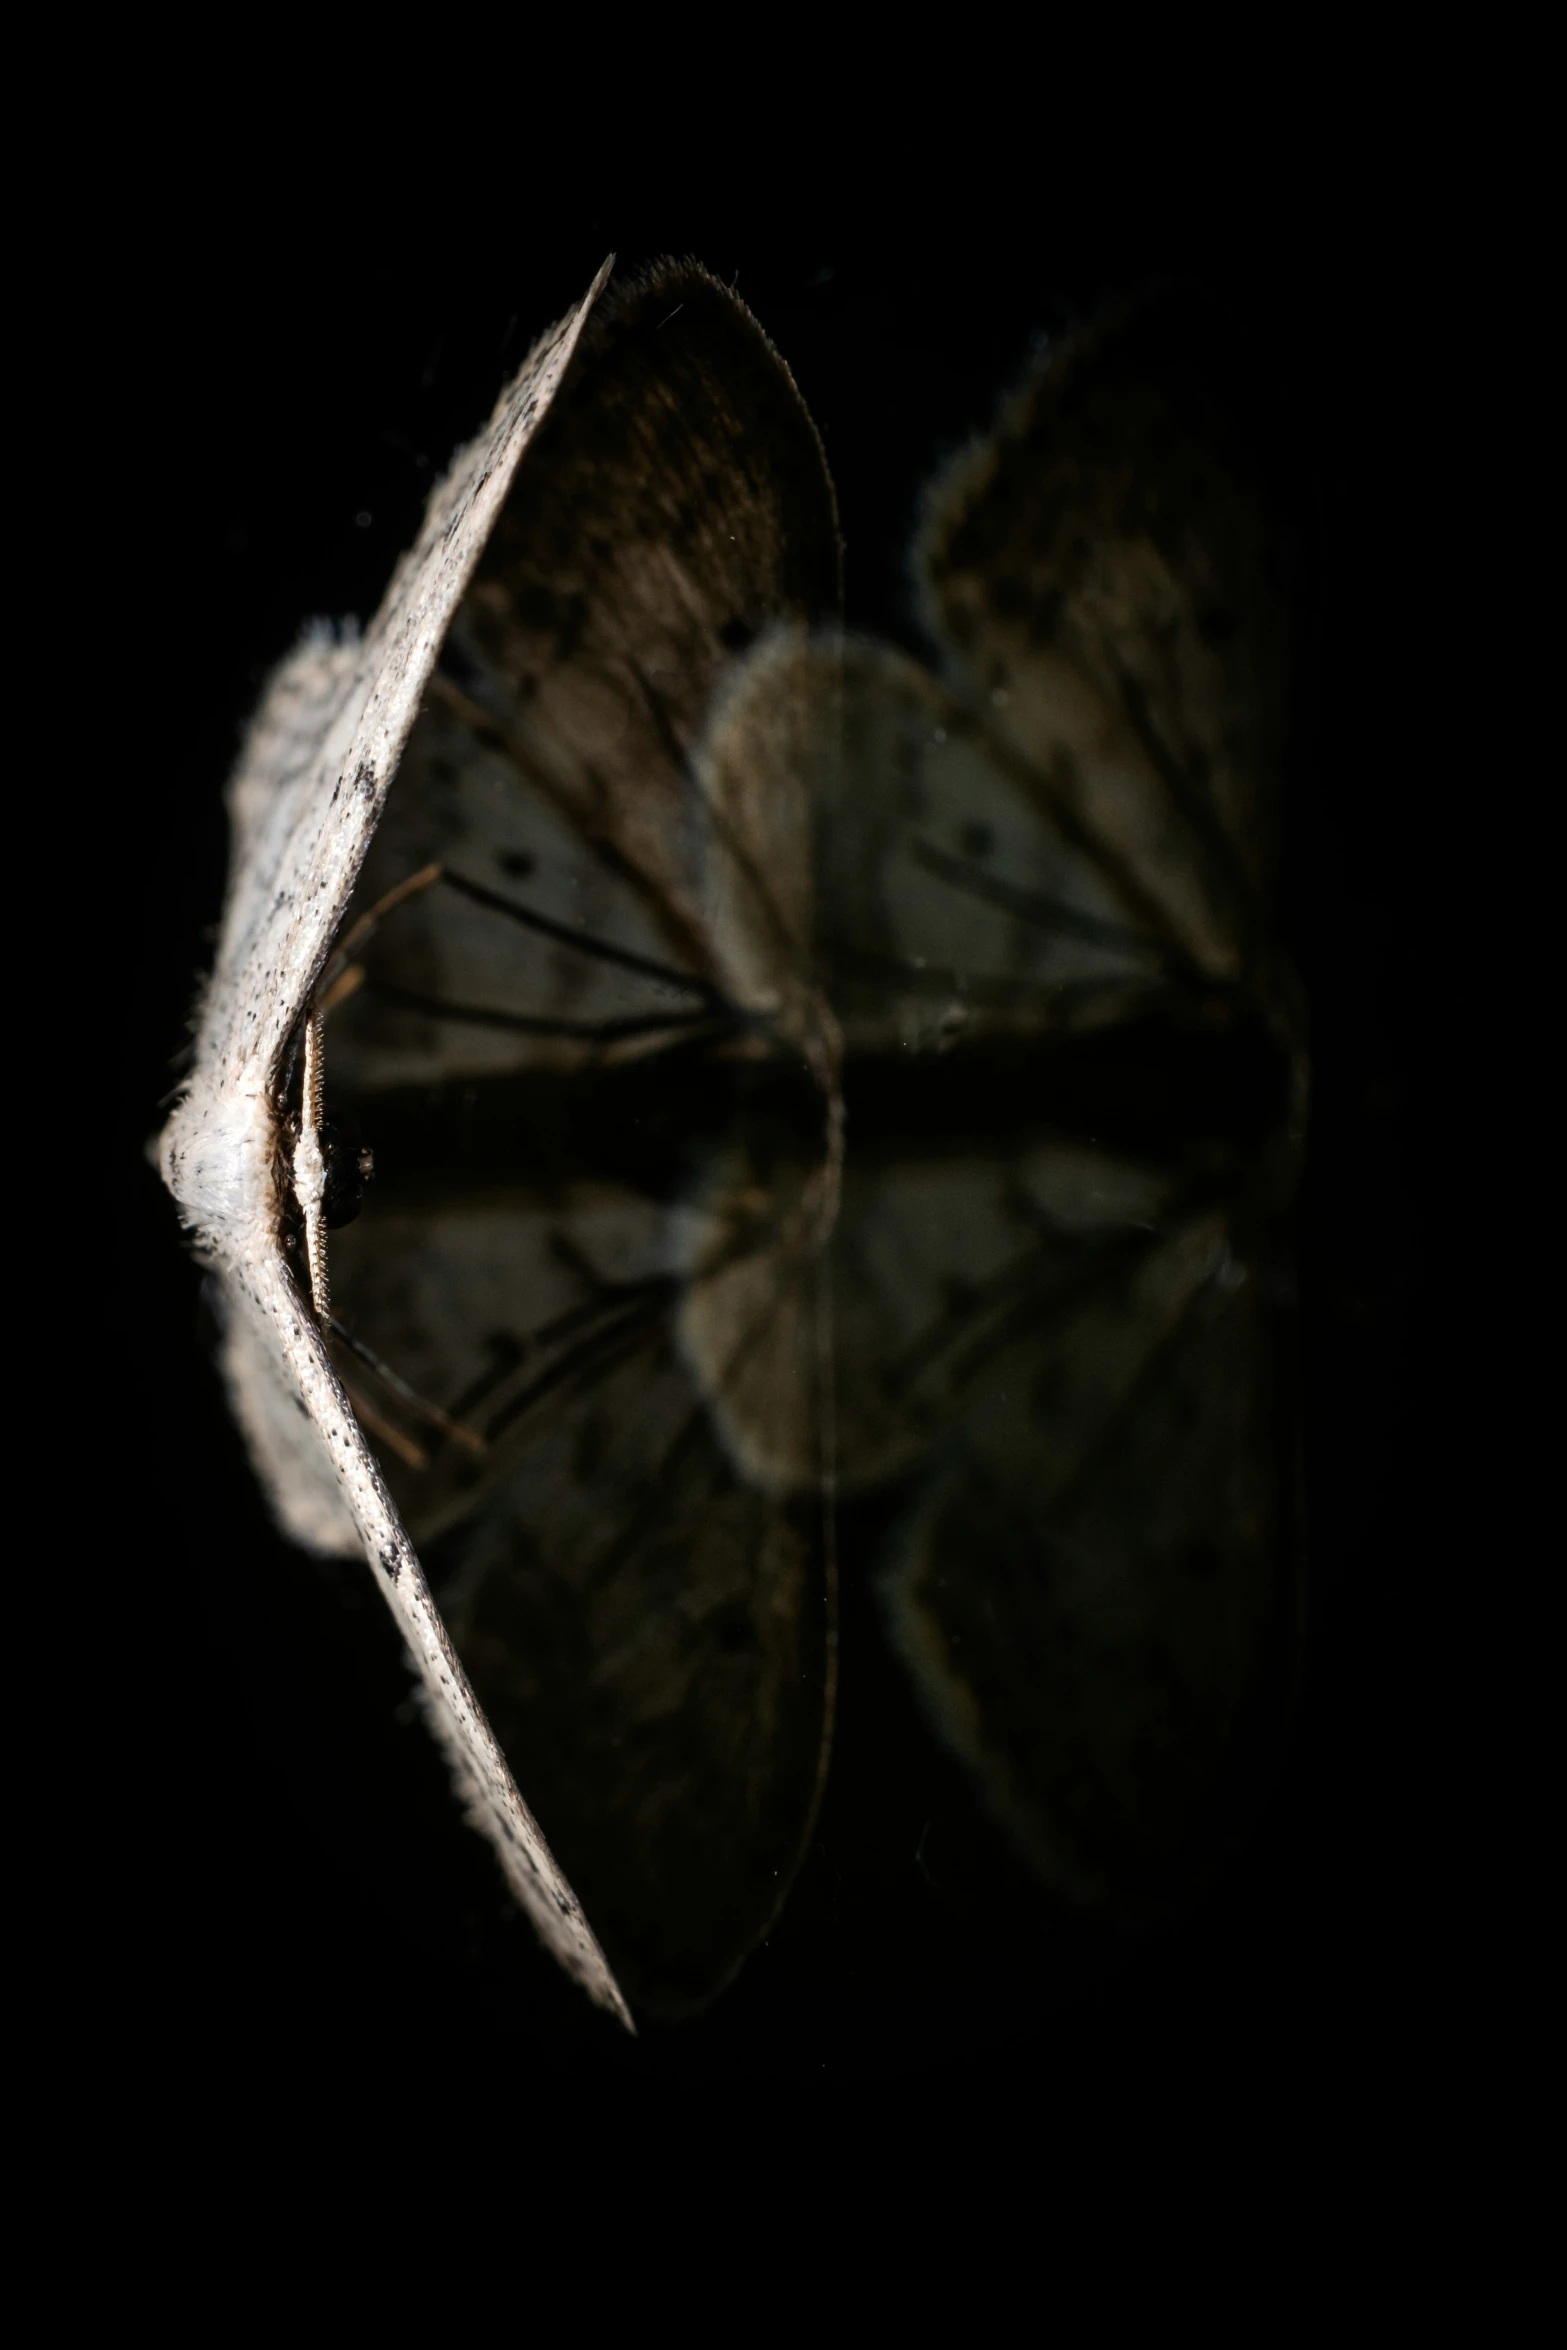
{"x": 310, "y": 790}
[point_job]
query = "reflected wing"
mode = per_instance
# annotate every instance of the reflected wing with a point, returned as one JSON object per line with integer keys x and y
{"x": 1102, "y": 573}
{"x": 582, "y": 1307}
{"x": 677, "y": 507}
{"x": 1094, "y": 1583}
{"x": 1072, "y": 1110}
{"x": 952, "y": 889}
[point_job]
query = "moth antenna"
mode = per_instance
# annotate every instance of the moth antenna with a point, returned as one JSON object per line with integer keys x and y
{"x": 310, "y": 1169}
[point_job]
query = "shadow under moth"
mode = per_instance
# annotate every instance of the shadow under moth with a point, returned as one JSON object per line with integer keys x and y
{"x": 794, "y": 1073}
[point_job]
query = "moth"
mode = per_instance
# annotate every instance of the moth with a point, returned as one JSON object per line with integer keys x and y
{"x": 793, "y": 1073}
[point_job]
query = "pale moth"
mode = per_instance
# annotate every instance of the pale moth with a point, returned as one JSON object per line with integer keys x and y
{"x": 306, "y": 798}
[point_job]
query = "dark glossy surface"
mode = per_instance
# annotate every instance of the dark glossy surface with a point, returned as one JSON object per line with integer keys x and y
{"x": 912, "y": 1941}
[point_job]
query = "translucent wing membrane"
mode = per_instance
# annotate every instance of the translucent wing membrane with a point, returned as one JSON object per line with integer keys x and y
{"x": 951, "y": 889}
{"x": 1054, "y": 1265}
{"x": 582, "y": 1308}
{"x": 679, "y": 508}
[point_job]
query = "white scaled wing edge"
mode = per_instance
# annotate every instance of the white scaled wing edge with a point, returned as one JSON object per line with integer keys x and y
{"x": 309, "y": 792}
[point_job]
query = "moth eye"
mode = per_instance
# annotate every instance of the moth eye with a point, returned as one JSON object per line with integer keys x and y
{"x": 517, "y": 862}
{"x": 977, "y": 840}
{"x": 349, "y": 1166}
{"x": 736, "y": 635}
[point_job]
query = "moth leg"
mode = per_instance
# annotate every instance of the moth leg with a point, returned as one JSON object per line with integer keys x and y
{"x": 406, "y": 1395}
{"x": 386, "y": 1431}
{"x": 343, "y": 976}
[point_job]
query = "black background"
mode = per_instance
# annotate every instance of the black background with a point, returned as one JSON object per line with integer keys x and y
{"x": 289, "y": 1885}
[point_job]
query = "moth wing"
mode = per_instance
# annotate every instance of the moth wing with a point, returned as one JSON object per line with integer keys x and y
{"x": 310, "y": 789}
{"x": 1101, "y": 573}
{"x": 264, "y": 1296}
{"x": 678, "y": 507}
{"x": 942, "y": 888}
{"x": 640, "y": 1587}
{"x": 327, "y": 741}
{"x": 474, "y": 986}
{"x": 587, "y": 1245}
